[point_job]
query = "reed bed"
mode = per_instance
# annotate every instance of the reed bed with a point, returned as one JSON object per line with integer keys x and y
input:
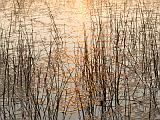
{"x": 33, "y": 73}
{"x": 112, "y": 75}
{"x": 120, "y": 64}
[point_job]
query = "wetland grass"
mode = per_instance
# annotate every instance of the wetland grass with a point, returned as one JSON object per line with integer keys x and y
{"x": 113, "y": 75}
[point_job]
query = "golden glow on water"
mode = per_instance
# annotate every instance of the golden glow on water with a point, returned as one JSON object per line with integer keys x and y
{"x": 73, "y": 14}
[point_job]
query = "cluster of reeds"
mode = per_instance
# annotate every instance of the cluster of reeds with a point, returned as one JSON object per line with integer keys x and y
{"x": 119, "y": 70}
{"x": 33, "y": 74}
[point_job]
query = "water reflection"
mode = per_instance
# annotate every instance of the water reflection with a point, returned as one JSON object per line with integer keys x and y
{"x": 70, "y": 3}
{"x": 70, "y": 17}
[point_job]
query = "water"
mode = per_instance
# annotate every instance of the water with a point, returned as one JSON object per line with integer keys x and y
{"x": 72, "y": 19}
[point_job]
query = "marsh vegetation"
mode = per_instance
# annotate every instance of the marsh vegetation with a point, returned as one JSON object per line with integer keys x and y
{"x": 110, "y": 72}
